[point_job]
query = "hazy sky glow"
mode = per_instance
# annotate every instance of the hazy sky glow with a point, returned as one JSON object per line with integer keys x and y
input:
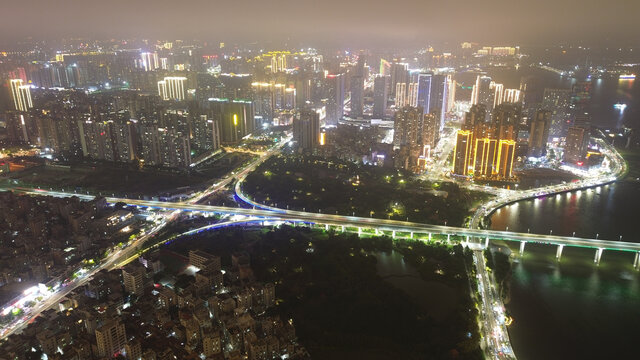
{"x": 341, "y": 22}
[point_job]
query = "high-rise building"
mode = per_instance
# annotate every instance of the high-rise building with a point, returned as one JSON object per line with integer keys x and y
{"x": 110, "y": 338}
{"x": 462, "y": 152}
{"x": 440, "y": 96}
{"x": 124, "y": 145}
{"x": 498, "y": 93}
{"x": 21, "y": 95}
{"x": 506, "y": 153}
{"x": 150, "y": 145}
{"x": 96, "y": 139}
{"x": 485, "y": 157}
{"x": 175, "y": 148}
{"x": 236, "y": 118}
{"x": 380, "y": 96}
{"x": 172, "y": 88}
{"x": 481, "y": 93}
{"x": 558, "y": 101}
{"x": 401, "y": 95}
{"x": 407, "y": 125}
{"x": 399, "y": 74}
{"x": 357, "y": 89}
{"x": 149, "y": 61}
{"x": 539, "y": 133}
{"x": 430, "y": 131}
{"x": 506, "y": 120}
{"x": 424, "y": 91}
{"x": 451, "y": 102}
{"x": 512, "y": 96}
{"x": 306, "y": 129}
{"x": 335, "y": 98}
{"x": 206, "y": 133}
{"x": 133, "y": 276}
{"x": 577, "y": 143}
{"x": 475, "y": 121}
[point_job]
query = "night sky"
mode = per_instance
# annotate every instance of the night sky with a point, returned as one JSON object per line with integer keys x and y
{"x": 339, "y": 22}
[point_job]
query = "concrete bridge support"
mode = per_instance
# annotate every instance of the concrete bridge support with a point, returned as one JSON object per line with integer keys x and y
{"x": 636, "y": 261}
{"x": 559, "y": 252}
{"x": 359, "y": 231}
{"x": 326, "y": 227}
{"x": 411, "y": 235}
{"x": 596, "y": 259}
{"x": 429, "y": 236}
{"x": 448, "y": 238}
{"x": 486, "y": 242}
{"x": 522, "y": 243}
{"x": 393, "y": 234}
{"x": 342, "y": 228}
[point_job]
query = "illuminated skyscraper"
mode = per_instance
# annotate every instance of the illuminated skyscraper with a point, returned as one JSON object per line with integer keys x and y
{"x": 498, "y": 93}
{"x": 335, "y": 98}
{"x": 380, "y": 96}
{"x": 485, "y": 157}
{"x": 149, "y": 61}
{"x": 440, "y": 96}
{"x": 401, "y": 95}
{"x": 506, "y": 153}
{"x": 424, "y": 91}
{"x": 539, "y": 134}
{"x": 306, "y": 129}
{"x": 462, "y": 153}
{"x": 21, "y": 95}
{"x": 512, "y": 96}
{"x": 482, "y": 93}
{"x": 172, "y": 88}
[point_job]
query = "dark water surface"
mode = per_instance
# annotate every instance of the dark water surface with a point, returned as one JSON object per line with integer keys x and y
{"x": 575, "y": 309}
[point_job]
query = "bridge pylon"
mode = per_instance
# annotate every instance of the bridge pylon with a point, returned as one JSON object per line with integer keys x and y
{"x": 598, "y": 256}
{"x": 559, "y": 252}
{"x": 522, "y": 243}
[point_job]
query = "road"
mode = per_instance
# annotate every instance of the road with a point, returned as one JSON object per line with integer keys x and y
{"x": 120, "y": 257}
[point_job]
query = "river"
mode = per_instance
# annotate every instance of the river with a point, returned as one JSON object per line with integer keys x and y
{"x": 575, "y": 309}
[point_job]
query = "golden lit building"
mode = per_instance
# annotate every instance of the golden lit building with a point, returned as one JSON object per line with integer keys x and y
{"x": 485, "y": 156}
{"x": 462, "y": 153}
{"x": 506, "y": 152}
